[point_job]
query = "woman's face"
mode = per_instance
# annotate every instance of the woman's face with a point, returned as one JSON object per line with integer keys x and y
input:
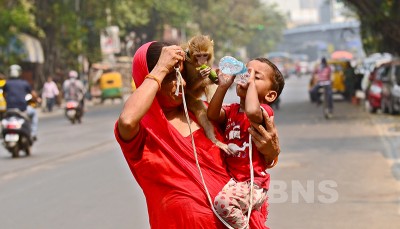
{"x": 166, "y": 96}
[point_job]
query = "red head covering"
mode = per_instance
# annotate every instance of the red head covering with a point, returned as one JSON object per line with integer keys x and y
{"x": 139, "y": 64}
{"x": 168, "y": 137}
{"x": 139, "y": 72}
{"x": 179, "y": 151}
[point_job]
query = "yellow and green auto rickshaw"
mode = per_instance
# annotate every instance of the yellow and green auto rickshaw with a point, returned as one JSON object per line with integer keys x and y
{"x": 3, "y": 103}
{"x": 338, "y": 67}
{"x": 110, "y": 85}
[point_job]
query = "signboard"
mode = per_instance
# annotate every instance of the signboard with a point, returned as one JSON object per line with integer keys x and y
{"x": 109, "y": 40}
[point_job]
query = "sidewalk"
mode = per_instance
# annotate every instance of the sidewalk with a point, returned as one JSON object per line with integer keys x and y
{"x": 389, "y": 130}
{"x": 346, "y": 153}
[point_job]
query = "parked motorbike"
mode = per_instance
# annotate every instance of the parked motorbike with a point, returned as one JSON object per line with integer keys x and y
{"x": 73, "y": 111}
{"x": 16, "y": 132}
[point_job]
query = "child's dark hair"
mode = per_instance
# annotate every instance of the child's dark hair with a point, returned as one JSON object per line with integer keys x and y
{"x": 278, "y": 79}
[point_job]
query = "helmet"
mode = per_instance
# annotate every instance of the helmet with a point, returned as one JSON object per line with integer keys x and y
{"x": 15, "y": 71}
{"x": 73, "y": 74}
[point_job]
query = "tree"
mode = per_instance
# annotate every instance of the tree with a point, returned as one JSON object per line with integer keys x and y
{"x": 148, "y": 18}
{"x": 236, "y": 24}
{"x": 67, "y": 29}
{"x": 72, "y": 28}
{"x": 380, "y": 24}
{"x": 268, "y": 33}
{"x": 15, "y": 17}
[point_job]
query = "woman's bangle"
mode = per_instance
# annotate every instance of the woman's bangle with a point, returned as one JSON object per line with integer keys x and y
{"x": 273, "y": 163}
{"x": 154, "y": 78}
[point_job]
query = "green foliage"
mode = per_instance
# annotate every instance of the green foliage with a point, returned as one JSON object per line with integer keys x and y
{"x": 132, "y": 13}
{"x": 16, "y": 16}
{"x": 236, "y": 24}
{"x": 267, "y": 34}
{"x": 69, "y": 28}
{"x": 380, "y": 24}
{"x": 173, "y": 12}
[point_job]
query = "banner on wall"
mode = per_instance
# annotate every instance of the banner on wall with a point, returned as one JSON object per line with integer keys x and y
{"x": 109, "y": 40}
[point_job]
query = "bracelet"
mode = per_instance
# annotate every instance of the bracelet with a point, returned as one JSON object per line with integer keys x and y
{"x": 154, "y": 78}
{"x": 274, "y": 162}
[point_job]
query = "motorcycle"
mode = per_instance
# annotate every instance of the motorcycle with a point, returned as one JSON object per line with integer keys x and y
{"x": 323, "y": 94}
{"x": 73, "y": 111}
{"x": 16, "y": 132}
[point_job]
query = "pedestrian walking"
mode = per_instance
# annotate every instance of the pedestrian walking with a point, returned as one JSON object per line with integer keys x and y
{"x": 49, "y": 93}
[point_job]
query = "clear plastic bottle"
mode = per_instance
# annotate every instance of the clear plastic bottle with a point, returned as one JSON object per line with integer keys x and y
{"x": 231, "y": 66}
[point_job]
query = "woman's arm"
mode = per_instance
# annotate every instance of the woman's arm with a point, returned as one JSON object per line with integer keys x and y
{"x": 266, "y": 139}
{"x": 140, "y": 100}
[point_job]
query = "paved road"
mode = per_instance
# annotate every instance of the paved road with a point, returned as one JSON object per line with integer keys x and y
{"x": 333, "y": 173}
{"x": 338, "y": 173}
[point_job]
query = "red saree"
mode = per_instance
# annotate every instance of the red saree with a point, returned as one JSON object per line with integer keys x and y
{"x": 163, "y": 163}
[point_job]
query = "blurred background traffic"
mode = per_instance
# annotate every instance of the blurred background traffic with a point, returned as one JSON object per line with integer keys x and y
{"x": 96, "y": 38}
{"x": 77, "y": 177}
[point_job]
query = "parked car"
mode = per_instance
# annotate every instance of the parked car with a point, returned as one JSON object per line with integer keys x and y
{"x": 390, "y": 77}
{"x": 369, "y": 64}
{"x": 366, "y": 70}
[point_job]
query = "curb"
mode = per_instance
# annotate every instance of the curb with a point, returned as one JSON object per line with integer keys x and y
{"x": 390, "y": 150}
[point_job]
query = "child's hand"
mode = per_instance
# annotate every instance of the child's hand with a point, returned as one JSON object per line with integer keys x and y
{"x": 252, "y": 75}
{"x": 245, "y": 83}
{"x": 224, "y": 80}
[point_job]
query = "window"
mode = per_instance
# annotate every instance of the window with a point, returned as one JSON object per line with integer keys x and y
{"x": 383, "y": 73}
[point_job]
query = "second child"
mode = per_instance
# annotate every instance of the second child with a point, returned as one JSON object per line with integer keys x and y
{"x": 264, "y": 86}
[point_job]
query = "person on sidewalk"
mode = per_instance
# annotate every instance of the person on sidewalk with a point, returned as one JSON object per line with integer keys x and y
{"x": 50, "y": 93}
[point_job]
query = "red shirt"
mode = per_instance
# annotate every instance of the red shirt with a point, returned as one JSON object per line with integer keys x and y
{"x": 237, "y": 135}
{"x": 163, "y": 163}
{"x": 174, "y": 194}
{"x": 324, "y": 74}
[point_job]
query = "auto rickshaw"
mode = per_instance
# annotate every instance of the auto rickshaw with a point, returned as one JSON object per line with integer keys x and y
{"x": 110, "y": 85}
{"x": 338, "y": 67}
{"x": 3, "y": 104}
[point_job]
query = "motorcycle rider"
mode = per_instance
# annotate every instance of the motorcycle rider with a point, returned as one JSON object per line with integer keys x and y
{"x": 73, "y": 89}
{"x": 324, "y": 80}
{"x": 15, "y": 91}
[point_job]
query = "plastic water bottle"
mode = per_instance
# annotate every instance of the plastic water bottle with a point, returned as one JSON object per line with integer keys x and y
{"x": 231, "y": 66}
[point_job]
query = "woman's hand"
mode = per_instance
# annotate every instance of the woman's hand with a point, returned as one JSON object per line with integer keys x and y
{"x": 266, "y": 139}
{"x": 170, "y": 57}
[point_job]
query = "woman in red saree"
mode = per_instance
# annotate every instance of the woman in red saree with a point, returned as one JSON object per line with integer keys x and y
{"x": 155, "y": 139}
